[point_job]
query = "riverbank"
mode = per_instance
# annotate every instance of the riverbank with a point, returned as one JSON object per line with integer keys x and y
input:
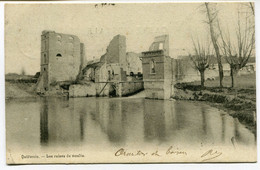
{"x": 239, "y": 102}
{"x": 19, "y": 90}
{"x": 20, "y": 86}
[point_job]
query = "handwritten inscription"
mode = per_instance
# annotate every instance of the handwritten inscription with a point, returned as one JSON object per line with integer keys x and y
{"x": 176, "y": 151}
{"x": 170, "y": 151}
{"x": 210, "y": 154}
{"x": 123, "y": 152}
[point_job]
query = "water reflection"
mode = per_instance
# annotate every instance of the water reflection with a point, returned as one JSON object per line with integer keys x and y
{"x": 154, "y": 120}
{"x": 59, "y": 122}
{"x": 44, "y": 122}
{"x": 84, "y": 121}
{"x": 111, "y": 118}
{"x": 81, "y": 123}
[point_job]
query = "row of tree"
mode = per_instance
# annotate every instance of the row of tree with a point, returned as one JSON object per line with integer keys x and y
{"x": 236, "y": 51}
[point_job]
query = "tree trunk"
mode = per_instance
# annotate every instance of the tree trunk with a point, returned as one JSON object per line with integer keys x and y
{"x": 202, "y": 79}
{"x": 233, "y": 74}
{"x": 221, "y": 74}
{"x": 214, "y": 42}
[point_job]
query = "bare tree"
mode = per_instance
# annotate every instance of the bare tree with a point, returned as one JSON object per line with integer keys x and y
{"x": 238, "y": 52}
{"x": 201, "y": 58}
{"x": 23, "y": 71}
{"x": 211, "y": 14}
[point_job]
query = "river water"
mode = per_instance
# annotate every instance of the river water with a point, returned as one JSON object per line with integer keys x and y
{"x": 61, "y": 124}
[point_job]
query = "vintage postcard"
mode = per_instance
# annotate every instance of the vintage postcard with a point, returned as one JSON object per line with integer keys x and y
{"x": 130, "y": 82}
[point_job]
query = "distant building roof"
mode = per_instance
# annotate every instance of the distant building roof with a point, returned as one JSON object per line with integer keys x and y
{"x": 214, "y": 59}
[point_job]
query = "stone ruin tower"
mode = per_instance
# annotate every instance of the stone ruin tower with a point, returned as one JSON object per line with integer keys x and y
{"x": 62, "y": 58}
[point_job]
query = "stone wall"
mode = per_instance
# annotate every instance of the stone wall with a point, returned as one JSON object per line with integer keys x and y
{"x": 62, "y": 56}
{"x": 129, "y": 88}
{"x": 101, "y": 77}
{"x": 161, "y": 43}
{"x": 169, "y": 76}
{"x": 134, "y": 64}
{"x": 158, "y": 65}
{"x": 154, "y": 89}
{"x": 116, "y": 52}
{"x": 82, "y": 55}
{"x": 82, "y": 90}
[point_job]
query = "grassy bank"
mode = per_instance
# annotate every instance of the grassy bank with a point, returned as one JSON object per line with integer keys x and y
{"x": 15, "y": 89}
{"x": 243, "y": 81}
{"x": 240, "y": 102}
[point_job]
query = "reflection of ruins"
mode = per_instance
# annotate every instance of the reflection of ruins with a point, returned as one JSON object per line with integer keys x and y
{"x": 111, "y": 119}
{"x": 44, "y": 132}
{"x": 83, "y": 121}
{"x": 154, "y": 121}
{"x": 59, "y": 122}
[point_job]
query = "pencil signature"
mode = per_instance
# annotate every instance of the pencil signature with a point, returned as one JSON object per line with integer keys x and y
{"x": 210, "y": 154}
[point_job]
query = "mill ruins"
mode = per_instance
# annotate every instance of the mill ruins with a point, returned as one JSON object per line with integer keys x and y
{"x": 116, "y": 73}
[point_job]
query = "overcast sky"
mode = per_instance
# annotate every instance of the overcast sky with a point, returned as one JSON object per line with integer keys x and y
{"x": 96, "y": 26}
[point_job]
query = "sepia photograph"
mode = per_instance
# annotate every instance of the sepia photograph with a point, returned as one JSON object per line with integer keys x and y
{"x": 130, "y": 82}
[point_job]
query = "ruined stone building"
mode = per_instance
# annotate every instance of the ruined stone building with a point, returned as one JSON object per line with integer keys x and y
{"x": 157, "y": 74}
{"x": 161, "y": 72}
{"x": 134, "y": 64}
{"x": 161, "y": 43}
{"x": 115, "y": 60}
{"x": 111, "y": 73}
{"x": 62, "y": 58}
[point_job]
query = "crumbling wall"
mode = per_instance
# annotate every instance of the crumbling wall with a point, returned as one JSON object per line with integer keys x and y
{"x": 112, "y": 68}
{"x": 82, "y": 56}
{"x": 158, "y": 60}
{"x": 134, "y": 64}
{"x": 62, "y": 57}
{"x": 116, "y": 51}
{"x": 161, "y": 43}
{"x": 129, "y": 88}
{"x": 82, "y": 90}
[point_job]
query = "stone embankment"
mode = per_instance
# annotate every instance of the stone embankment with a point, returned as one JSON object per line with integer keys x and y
{"x": 238, "y": 104}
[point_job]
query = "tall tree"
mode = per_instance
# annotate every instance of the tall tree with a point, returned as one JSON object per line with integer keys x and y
{"x": 201, "y": 58}
{"x": 211, "y": 14}
{"x": 238, "y": 52}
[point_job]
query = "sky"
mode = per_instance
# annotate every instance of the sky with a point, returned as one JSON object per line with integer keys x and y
{"x": 96, "y": 25}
